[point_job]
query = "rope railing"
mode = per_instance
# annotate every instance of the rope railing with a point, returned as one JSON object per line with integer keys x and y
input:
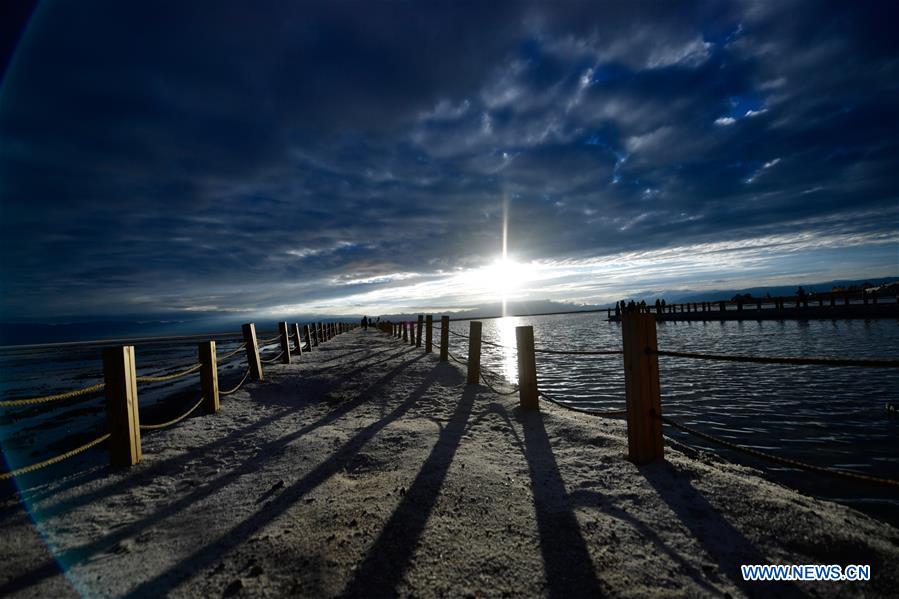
{"x": 9, "y": 403}
{"x": 174, "y": 421}
{"x": 817, "y": 361}
{"x": 274, "y": 359}
{"x": 600, "y": 413}
{"x": 231, "y": 354}
{"x": 601, "y": 352}
{"x": 649, "y": 447}
{"x": 167, "y": 377}
{"x": 54, "y": 460}
{"x": 236, "y": 387}
{"x": 856, "y": 476}
{"x": 494, "y": 389}
{"x": 121, "y": 393}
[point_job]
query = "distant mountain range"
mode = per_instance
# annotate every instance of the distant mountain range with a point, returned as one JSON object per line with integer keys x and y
{"x": 83, "y": 329}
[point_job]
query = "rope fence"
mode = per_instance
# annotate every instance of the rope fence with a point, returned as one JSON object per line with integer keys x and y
{"x": 10, "y": 403}
{"x": 641, "y": 385}
{"x": 494, "y": 389}
{"x": 601, "y": 414}
{"x": 53, "y": 460}
{"x": 604, "y": 352}
{"x": 274, "y": 359}
{"x": 168, "y": 377}
{"x": 237, "y": 386}
{"x": 120, "y": 386}
{"x": 173, "y": 421}
{"x": 861, "y": 362}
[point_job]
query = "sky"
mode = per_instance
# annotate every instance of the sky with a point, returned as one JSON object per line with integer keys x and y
{"x": 367, "y": 157}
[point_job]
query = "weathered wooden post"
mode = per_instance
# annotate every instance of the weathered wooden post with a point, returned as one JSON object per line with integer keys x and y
{"x": 527, "y": 368}
{"x": 209, "y": 377}
{"x": 249, "y": 336}
{"x": 721, "y": 306}
{"x": 314, "y": 330}
{"x": 285, "y": 342}
{"x": 429, "y": 334}
{"x": 412, "y": 333}
{"x": 308, "y": 337}
{"x": 642, "y": 389}
{"x": 474, "y": 352}
{"x": 405, "y": 326}
{"x": 758, "y": 303}
{"x": 421, "y": 323}
{"x": 297, "y": 340}
{"x": 122, "y": 416}
{"x": 444, "y": 338}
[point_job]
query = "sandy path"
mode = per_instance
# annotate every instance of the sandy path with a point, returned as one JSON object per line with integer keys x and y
{"x": 370, "y": 469}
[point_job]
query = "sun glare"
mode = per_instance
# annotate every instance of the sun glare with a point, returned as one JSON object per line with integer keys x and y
{"x": 501, "y": 279}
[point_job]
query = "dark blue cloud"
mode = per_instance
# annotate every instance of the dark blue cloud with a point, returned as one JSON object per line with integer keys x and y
{"x": 173, "y": 156}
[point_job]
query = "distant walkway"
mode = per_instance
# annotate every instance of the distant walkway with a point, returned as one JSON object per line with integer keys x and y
{"x": 367, "y": 468}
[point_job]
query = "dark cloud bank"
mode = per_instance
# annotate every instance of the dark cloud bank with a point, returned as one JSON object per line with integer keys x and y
{"x": 169, "y": 157}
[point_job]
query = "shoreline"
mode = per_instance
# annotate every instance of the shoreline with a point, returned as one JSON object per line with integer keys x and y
{"x": 368, "y": 468}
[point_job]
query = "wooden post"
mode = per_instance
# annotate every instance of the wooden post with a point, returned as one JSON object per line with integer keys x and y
{"x": 722, "y": 307}
{"x": 297, "y": 340}
{"x": 444, "y": 338}
{"x": 421, "y": 326}
{"x": 406, "y": 332}
{"x": 429, "y": 334}
{"x": 285, "y": 342}
{"x": 474, "y": 352}
{"x": 249, "y": 336}
{"x": 833, "y": 299}
{"x": 122, "y": 416}
{"x": 642, "y": 389}
{"x": 209, "y": 377}
{"x": 314, "y": 330}
{"x": 527, "y": 368}
{"x": 412, "y": 333}
{"x": 308, "y": 337}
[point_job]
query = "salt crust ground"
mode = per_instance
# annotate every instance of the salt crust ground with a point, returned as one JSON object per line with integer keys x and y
{"x": 370, "y": 469}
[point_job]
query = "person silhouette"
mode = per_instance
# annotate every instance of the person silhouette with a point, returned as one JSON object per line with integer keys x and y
{"x": 364, "y": 323}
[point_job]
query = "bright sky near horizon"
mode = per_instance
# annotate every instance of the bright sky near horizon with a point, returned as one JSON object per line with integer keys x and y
{"x": 346, "y": 157}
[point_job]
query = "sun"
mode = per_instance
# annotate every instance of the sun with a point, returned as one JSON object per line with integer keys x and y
{"x": 500, "y": 279}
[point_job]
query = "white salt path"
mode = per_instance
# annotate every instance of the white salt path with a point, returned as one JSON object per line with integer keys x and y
{"x": 370, "y": 469}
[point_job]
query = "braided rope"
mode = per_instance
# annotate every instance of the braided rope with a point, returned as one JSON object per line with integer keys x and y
{"x": 452, "y": 332}
{"x": 781, "y": 460}
{"x": 603, "y": 414}
{"x": 55, "y": 460}
{"x": 455, "y": 359}
{"x": 494, "y": 389}
{"x": 167, "y": 377}
{"x": 273, "y": 360}
{"x": 48, "y": 398}
{"x": 864, "y": 362}
{"x": 606, "y": 352}
{"x": 150, "y": 427}
{"x": 232, "y": 354}
{"x": 236, "y": 387}
{"x": 273, "y": 339}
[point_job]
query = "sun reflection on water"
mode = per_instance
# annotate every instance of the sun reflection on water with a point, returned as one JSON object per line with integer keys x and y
{"x": 505, "y": 328}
